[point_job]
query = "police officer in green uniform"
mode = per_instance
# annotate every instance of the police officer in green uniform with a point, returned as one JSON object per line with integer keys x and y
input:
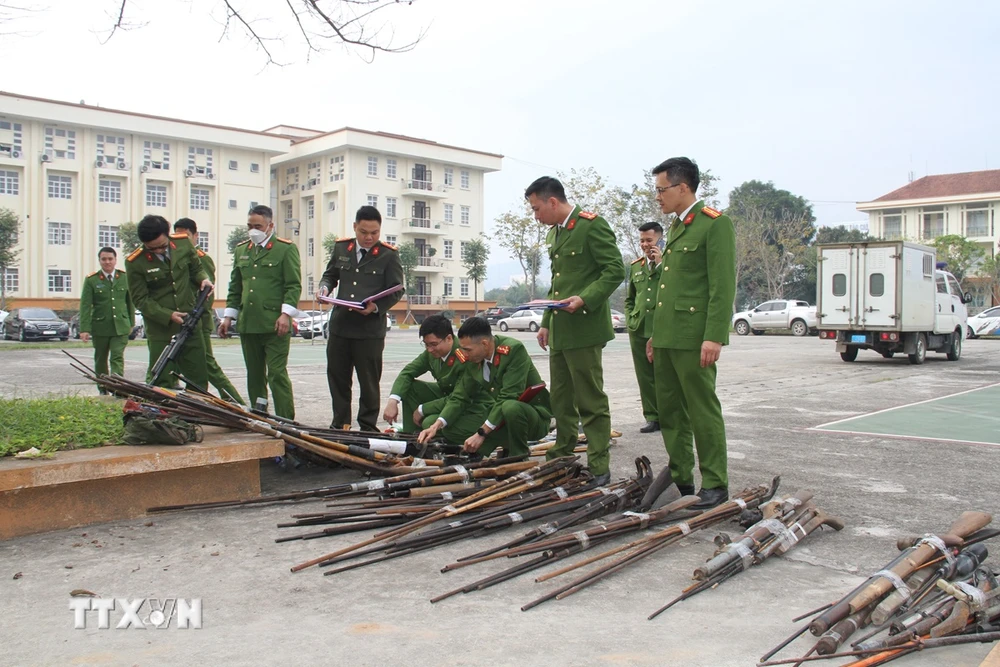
{"x": 360, "y": 267}
{"x": 216, "y": 376}
{"x": 164, "y": 277}
{"x": 107, "y": 314}
{"x": 640, "y": 303}
{"x": 693, "y": 312}
{"x": 586, "y": 269}
{"x": 423, "y": 401}
{"x": 499, "y": 367}
{"x": 264, "y": 291}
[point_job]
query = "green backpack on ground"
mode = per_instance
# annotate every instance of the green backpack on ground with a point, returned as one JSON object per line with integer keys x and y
{"x": 143, "y": 430}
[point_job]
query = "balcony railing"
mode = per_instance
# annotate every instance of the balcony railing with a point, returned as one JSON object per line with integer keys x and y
{"x": 423, "y": 189}
{"x": 424, "y": 223}
{"x": 423, "y": 226}
{"x": 420, "y": 299}
{"x": 429, "y": 261}
{"x": 419, "y": 185}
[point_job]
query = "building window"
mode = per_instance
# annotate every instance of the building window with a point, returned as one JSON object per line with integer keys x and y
{"x": 254, "y": 168}
{"x": 233, "y": 204}
{"x": 200, "y": 198}
{"x": 110, "y": 148}
{"x": 933, "y": 222}
{"x": 203, "y": 241}
{"x": 312, "y": 246}
{"x": 156, "y": 155}
{"x": 311, "y": 285}
{"x": 449, "y": 249}
{"x": 449, "y": 287}
{"x": 60, "y": 143}
{"x": 60, "y": 280}
{"x": 60, "y": 233}
{"x": 109, "y": 191}
{"x": 977, "y": 220}
{"x": 373, "y": 200}
{"x": 311, "y": 208}
{"x": 390, "y": 168}
{"x": 464, "y": 176}
{"x": 463, "y": 287}
{"x": 372, "y": 166}
{"x": 234, "y": 165}
{"x": 449, "y": 213}
{"x": 60, "y": 187}
{"x": 107, "y": 236}
{"x": 8, "y": 182}
{"x": 11, "y": 280}
{"x": 10, "y": 138}
{"x": 390, "y": 239}
{"x": 449, "y": 176}
{"x": 465, "y": 215}
{"x": 332, "y": 205}
{"x": 288, "y": 211}
{"x": 336, "y": 168}
{"x": 390, "y": 207}
{"x": 253, "y": 205}
{"x": 892, "y": 224}
{"x": 156, "y": 195}
{"x": 200, "y": 160}
{"x": 462, "y": 248}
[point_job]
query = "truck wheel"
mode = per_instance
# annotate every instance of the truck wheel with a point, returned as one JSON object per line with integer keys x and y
{"x": 799, "y": 328}
{"x": 850, "y": 354}
{"x": 918, "y": 357}
{"x": 741, "y": 327}
{"x": 955, "y": 350}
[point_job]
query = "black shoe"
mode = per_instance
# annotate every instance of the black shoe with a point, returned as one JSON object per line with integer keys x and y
{"x": 650, "y": 427}
{"x": 711, "y": 498}
{"x": 686, "y": 489}
{"x": 604, "y": 479}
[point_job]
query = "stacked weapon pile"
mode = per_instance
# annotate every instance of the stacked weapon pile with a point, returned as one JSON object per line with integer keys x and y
{"x": 936, "y": 592}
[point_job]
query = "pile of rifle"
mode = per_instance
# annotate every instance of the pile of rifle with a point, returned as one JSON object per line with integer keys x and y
{"x": 936, "y": 592}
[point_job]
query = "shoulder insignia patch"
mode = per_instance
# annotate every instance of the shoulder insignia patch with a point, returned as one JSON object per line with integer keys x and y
{"x": 246, "y": 243}
{"x": 282, "y": 240}
{"x": 635, "y": 261}
{"x": 711, "y": 212}
{"x": 503, "y": 349}
{"x": 201, "y": 253}
{"x": 179, "y": 235}
{"x": 119, "y": 272}
{"x": 344, "y": 240}
{"x": 135, "y": 253}
{"x": 90, "y": 275}
{"x": 587, "y": 215}
{"x": 460, "y": 356}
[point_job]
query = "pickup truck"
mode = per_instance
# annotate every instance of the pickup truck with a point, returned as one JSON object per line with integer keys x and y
{"x": 798, "y": 316}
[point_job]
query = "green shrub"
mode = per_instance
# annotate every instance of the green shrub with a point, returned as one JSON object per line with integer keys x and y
{"x": 53, "y": 424}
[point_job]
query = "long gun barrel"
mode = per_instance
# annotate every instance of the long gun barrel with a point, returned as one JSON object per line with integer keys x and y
{"x": 177, "y": 341}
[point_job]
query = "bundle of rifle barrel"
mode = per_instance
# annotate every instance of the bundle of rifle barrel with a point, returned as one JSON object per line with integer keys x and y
{"x": 936, "y": 592}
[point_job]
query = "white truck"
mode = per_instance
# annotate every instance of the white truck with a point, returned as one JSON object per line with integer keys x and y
{"x": 888, "y": 296}
{"x": 797, "y": 316}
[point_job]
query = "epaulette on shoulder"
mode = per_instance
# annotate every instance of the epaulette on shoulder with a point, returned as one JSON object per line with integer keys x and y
{"x": 638, "y": 259}
{"x": 460, "y": 356}
{"x": 711, "y": 212}
{"x": 135, "y": 253}
{"x": 587, "y": 215}
{"x": 503, "y": 349}
{"x": 347, "y": 240}
{"x": 201, "y": 253}
{"x": 179, "y": 235}
{"x": 389, "y": 245}
{"x": 89, "y": 275}
{"x": 278, "y": 238}
{"x": 246, "y": 243}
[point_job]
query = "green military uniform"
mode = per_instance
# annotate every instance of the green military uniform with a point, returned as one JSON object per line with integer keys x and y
{"x": 266, "y": 282}
{"x": 640, "y": 303}
{"x": 160, "y": 287}
{"x": 694, "y": 304}
{"x": 356, "y": 341}
{"x": 514, "y": 423}
{"x": 216, "y": 376}
{"x": 431, "y": 397}
{"x": 107, "y": 314}
{"x": 586, "y": 262}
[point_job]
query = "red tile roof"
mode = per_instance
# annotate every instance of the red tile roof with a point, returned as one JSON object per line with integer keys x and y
{"x": 947, "y": 185}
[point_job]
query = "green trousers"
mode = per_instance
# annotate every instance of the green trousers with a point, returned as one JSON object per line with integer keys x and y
{"x": 577, "y": 394}
{"x": 689, "y": 409}
{"x": 216, "y": 376}
{"x": 190, "y": 363}
{"x": 266, "y": 357}
{"x": 113, "y": 346}
{"x": 644, "y": 375}
{"x": 428, "y": 394}
{"x": 522, "y": 422}
{"x": 344, "y": 357}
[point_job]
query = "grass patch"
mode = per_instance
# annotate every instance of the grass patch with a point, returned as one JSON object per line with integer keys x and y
{"x": 58, "y": 424}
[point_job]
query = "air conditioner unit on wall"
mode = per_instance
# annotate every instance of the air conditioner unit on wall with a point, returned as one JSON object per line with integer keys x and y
{"x": 144, "y": 168}
{"x": 189, "y": 172}
{"x": 98, "y": 163}
{"x": 46, "y": 157}
{"x": 122, "y": 164}
{"x": 210, "y": 175}
{"x": 15, "y": 154}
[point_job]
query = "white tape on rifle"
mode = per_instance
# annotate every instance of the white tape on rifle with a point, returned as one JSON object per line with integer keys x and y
{"x": 462, "y": 472}
{"x": 449, "y": 509}
{"x": 939, "y": 544}
{"x": 789, "y": 538}
{"x": 793, "y": 501}
{"x": 561, "y": 493}
{"x": 620, "y": 492}
{"x": 377, "y": 484}
{"x": 388, "y": 446}
{"x": 740, "y": 502}
{"x": 977, "y": 596}
{"x": 547, "y": 528}
{"x": 746, "y": 556}
{"x": 447, "y": 495}
{"x": 523, "y": 475}
{"x": 643, "y": 518}
{"x": 454, "y": 524}
{"x": 515, "y": 517}
{"x": 582, "y": 537}
{"x": 604, "y": 490}
{"x": 685, "y": 528}
{"x": 418, "y": 463}
{"x": 898, "y": 584}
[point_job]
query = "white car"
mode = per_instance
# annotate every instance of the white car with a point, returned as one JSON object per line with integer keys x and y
{"x": 797, "y": 316}
{"x": 986, "y": 323}
{"x": 318, "y": 326}
{"x": 618, "y": 321}
{"x": 530, "y": 320}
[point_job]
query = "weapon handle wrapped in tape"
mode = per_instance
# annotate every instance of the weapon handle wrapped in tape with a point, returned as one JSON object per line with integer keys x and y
{"x": 177, "y": 341}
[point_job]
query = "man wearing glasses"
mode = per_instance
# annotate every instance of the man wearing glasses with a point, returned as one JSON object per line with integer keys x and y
{"x": 422, "y": 400}
{"x": 694, "y": 307}
{"x": 164, "y": 277}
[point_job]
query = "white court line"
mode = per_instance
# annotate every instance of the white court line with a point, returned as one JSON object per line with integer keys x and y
{"x": 899, "y": 407}
{"x": 898, "y": 436}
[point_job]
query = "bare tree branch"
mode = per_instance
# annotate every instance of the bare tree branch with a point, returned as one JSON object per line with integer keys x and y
{"x": 232, "y": 13}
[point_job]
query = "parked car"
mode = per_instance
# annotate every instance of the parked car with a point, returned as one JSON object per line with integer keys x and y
{"x": 798, "y": 316}
{"x": 618, "y": 321}
{"x": 319, "y": 327}
{"x": 34, "y": 324}
{"x": 494, "y": 315}
{"x": 986, "y": 323}
{"x": 304, "y": 319}
{"x": 217, "y": 316}
{"x": 138, "y": 331}
{"x": 522, "y": 320}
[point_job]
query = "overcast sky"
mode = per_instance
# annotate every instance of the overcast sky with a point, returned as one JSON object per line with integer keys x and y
{"x": 834, "y": 101}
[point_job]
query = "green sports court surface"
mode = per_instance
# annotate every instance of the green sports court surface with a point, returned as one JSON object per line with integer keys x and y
{"x": 969, "y": 417}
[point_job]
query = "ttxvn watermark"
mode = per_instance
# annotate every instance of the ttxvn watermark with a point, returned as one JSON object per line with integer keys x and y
{"x": 141, "y": 613}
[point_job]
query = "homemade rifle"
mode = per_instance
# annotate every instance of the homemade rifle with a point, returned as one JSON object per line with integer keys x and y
{"x": 177, "y": 341}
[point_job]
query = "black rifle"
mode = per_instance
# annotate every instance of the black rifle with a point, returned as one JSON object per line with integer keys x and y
{"x": 177, "y": 341}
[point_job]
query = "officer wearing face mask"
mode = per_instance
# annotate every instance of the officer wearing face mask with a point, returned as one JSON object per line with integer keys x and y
{"x": 264, "y": 292}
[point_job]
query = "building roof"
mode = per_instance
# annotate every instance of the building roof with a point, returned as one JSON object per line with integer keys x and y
{"x": 947, "y": 185}
{"x": 391, "y": 135}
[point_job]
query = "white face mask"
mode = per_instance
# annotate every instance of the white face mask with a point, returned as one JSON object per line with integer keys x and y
{"x": 257, "y": 236}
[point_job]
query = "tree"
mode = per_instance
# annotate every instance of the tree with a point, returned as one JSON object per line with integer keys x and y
{"x": 329, "y": 241}
{"x": 986, "y": 283}
{"x": 10, "y": 229}
{"x": 409, "y": 257}
{"x": 236, "y": 237}
{"x": 961, "y": 255}
{"x": 520, "y": 234}
{"x": 474, "y": 259}
{"x": 840, "y": 235}
{"x": 128, "y": 237}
